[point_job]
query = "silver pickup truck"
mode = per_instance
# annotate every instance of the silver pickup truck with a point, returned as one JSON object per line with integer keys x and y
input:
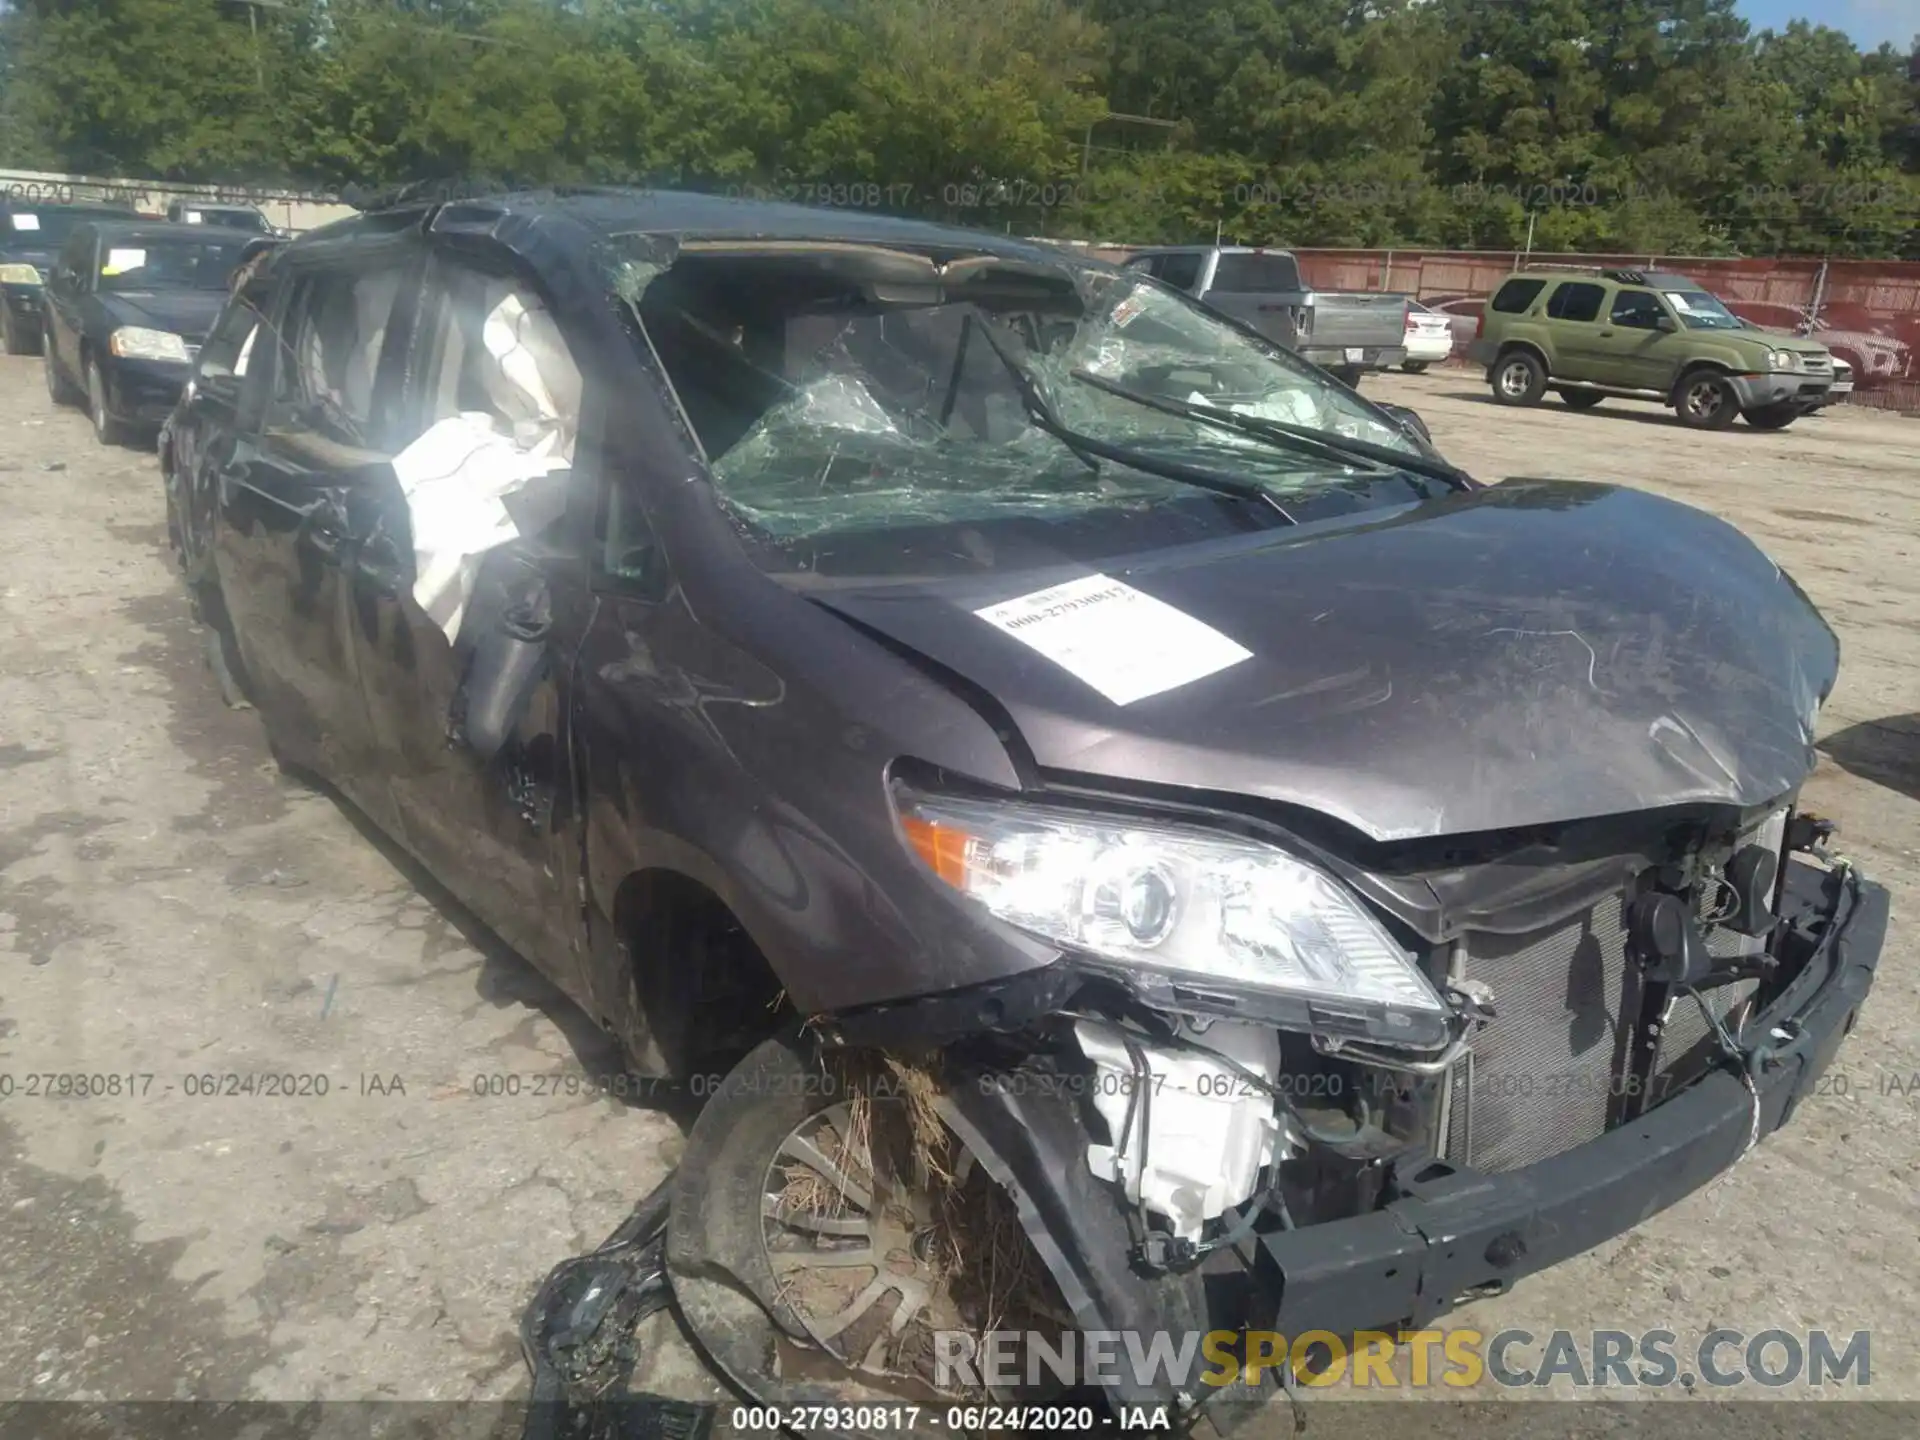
{"x": 1344, "y": 332}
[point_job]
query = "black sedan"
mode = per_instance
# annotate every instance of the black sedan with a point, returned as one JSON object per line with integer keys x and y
{"x": 31, "y": 234}
{"x": 126, "y": 307}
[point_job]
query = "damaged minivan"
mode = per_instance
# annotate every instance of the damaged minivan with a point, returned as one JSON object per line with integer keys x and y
{"x": 1125, "y": 836}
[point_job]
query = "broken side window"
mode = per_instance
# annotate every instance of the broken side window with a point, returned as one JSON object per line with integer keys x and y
{"x": 495, "y": 414}
{"x": 230, "y": 346}
{"x": 332, "y": 334}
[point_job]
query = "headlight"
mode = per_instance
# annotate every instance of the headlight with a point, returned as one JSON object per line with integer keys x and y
{"x": 1780, "y": 359}
{"x": 133, "y": 342}
{"x": 19, "y": 275}
{"x": 1206, "y": 913}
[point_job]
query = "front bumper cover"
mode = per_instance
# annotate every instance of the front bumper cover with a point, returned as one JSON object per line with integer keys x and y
{"x": 1782, "y": 387}
{"x": 23, "y": 301}
{"x": 1451, "y": 1234}
{"x": 1370, "y": 357}
{"x": 144, "y": 392}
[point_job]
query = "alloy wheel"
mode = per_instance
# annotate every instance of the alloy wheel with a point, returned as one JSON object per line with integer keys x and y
{"x": 1704, "y": 399}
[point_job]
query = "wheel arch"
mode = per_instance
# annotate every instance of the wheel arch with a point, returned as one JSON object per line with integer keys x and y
{"x": 1531, "y": 347}
{"x": 697, "y": 983}
{"x": 1691, "y": 369}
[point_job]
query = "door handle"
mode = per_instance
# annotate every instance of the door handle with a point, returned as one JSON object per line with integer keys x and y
{"x": 1606, "y": 334}
{"x": 327, "y": 544}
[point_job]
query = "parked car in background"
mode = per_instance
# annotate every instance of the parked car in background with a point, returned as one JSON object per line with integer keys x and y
{"x": 224, "y": 217}
{"x": 127, "y": 305}
{"x": 1463, "y": 315}
{"x": 1429, "y": 337}
{"x": 1876, "y": 359}
{"x": 31, "y": 234}
{"x": 1590, "y": 334}
{"x": 1843, "y": 377}
{"x": 1346, "y": 334}
{"x": 1842, "y": 385}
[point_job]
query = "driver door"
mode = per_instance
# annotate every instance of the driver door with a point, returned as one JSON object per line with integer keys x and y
{"x": 1641, "y": 355}
{"x": 466, "y": 663}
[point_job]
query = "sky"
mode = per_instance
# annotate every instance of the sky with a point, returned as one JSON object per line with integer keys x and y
{"x": 1867, "y": 21}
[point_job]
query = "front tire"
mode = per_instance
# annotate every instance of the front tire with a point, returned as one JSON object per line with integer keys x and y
{"x": 748, "y": 1252}
{"x": 1518, "y": 378}
{"x": 722, "y": 1277}
{"x": 106, "y": 429}
{"x": 16, "y": 338}
{"x": 1773, "y": 417}
{"x": 1703, "y": 400}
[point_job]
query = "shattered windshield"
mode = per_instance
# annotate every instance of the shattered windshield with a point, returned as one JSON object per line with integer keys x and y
{"x": 897, "y": 395}
{"x": 1152, "y": 341}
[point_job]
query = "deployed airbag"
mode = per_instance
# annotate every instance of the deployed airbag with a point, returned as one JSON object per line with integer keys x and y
{"x": 478, "y": 479}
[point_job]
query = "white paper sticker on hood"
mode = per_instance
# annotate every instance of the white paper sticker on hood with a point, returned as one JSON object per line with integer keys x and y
{"x": 25, "y": 222}
{"x": 1121, "y": 641}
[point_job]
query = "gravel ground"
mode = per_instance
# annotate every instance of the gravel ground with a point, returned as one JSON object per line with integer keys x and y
{"x": 171, "y": 907}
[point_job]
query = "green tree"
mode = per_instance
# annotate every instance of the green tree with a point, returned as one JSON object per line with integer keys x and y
{"x": 146, "y": 87}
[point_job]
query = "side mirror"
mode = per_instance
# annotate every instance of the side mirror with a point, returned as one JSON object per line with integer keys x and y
{"x": 500, "y": 676}
{"x": 1408, "y": 420}
{"x": 1666, "y": 323}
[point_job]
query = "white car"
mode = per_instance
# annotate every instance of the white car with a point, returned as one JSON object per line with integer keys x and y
{"x": 1842, "y": 385}
{"x": 1429, "y": 337}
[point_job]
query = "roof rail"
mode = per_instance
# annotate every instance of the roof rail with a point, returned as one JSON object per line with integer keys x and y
{"x": 370, "y": 198}
{"x": 1605, "y": 272}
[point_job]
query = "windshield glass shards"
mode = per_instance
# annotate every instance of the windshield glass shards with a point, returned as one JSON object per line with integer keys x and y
{"x": 864, "y": 408}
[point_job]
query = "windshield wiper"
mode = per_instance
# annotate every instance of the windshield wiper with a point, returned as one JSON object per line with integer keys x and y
{"x": 1043, "y": 417}
{"x": 1325, "y": 444}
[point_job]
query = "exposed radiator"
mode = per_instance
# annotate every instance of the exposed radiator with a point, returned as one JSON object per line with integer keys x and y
{"x": 1540, "y": 1078}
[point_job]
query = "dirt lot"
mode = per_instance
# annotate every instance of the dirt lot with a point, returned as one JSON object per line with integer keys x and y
{"x": 171, "y": 907}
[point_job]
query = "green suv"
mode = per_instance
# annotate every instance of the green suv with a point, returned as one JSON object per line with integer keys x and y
{"x": 1588, "y": 334}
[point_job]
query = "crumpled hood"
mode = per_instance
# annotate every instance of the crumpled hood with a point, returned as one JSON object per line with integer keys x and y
{"x": 187, "y": 313}
{"x": 1538, "y": 651}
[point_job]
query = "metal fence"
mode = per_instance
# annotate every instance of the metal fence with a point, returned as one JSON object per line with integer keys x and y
{"x": 293, "y": 210}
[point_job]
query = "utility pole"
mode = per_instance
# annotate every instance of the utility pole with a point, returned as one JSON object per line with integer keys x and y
{"x": 254, "y": 7}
